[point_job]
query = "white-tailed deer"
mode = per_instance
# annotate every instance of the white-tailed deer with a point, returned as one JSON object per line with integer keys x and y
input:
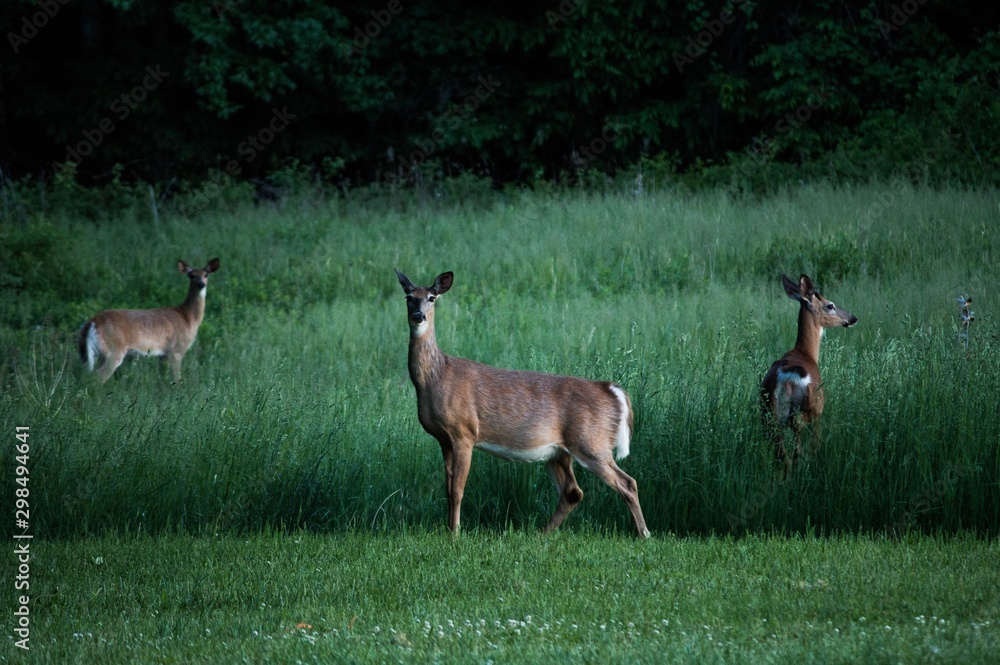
{"x": 792, "y": 392}
{"x": 166, "y": 332}
{"x": 519, "y": 416}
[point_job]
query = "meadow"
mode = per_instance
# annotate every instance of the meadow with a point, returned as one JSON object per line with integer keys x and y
{"x": 295, "y": 421}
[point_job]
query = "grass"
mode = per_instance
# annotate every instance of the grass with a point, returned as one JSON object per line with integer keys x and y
{"x": 296, "y": 410}
{"x": 286, "y": 479}
{"x": 514, "y": 597}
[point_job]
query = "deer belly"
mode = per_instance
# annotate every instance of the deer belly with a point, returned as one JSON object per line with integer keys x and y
{"x": 541, "y": 453}
{"x": 146, "y": 352}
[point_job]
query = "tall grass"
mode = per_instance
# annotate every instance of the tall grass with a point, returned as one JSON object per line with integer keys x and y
{"x": 295, "y": 409}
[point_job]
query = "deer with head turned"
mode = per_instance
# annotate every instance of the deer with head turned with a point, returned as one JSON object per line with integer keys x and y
{"x": 791, "y": 394}
{"x": 515, "y": 415}
{"x": 169, "y": 332}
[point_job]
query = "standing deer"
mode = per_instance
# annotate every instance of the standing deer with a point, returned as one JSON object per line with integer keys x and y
{"x": 519, "y": 416}
{"x": 792, "y": 391}
{"x": 167, "y": 331}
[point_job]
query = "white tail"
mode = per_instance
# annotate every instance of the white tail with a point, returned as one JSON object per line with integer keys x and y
{"x": 521, "y": 416}
{"x": 109, "y": 337}
{"x": 89, "y": 348}
{"x": 792, "y": 393}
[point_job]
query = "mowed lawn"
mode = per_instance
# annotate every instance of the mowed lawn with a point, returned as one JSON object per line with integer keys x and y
{"x": 514, "y": 596}
{"x": 282, "y": 503}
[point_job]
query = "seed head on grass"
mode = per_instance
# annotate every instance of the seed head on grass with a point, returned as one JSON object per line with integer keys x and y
{"x": 965, "y": 318}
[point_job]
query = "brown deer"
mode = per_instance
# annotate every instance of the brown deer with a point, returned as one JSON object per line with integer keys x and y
{"x": 519, "y": 416}
{"x": 166, "y": 332}
{"x": 792, "y": 392}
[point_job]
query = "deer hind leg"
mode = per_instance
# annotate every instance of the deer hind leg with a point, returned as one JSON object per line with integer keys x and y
{"x": 781, "y": 454}
{"x": 570, "y": 494}
{"x": 111, "y": 360}
{"x": 773, "y": 426}
{"x": 623, "y": 484}
{"x": 797, "y": 423}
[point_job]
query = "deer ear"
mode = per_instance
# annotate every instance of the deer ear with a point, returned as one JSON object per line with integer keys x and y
{"x": 405, "y": 282}
{"x": 442, "y": 283}
{"x": 806, "y": 286}
{"x": 791, "y": 287}
{"x": 212, "y": 266}
{"x": 798, "y": 291}
{"x": 183, "y": 267}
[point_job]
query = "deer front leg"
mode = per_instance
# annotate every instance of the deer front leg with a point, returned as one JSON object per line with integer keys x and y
{"x": 449, "y": 463}
{"x": 461, "y": 461}
{"x": 174, "y": 360}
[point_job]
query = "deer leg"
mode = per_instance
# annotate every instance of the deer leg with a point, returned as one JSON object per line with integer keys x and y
{"x": 797, "y": 451}
{"x": 111, "y": 362}
{"x": 460, "y": 463}
{"x": 175, "y": 365}
{"x": 817, "y": 432}
{"x": 449, "y": 463}
{"x": 570, "y": 494}
{"x": 623, "y": 484}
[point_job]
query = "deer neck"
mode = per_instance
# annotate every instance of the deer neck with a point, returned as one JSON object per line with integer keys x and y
{"x": 809, "y": 336}
{"x": 193, "y": 307}
{"x": 426, "y": 361}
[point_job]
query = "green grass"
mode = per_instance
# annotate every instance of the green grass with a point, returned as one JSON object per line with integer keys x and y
{"x": 296, "y": 410}
{"x": 514, "y": 597}
{"x": 286, "y": 479}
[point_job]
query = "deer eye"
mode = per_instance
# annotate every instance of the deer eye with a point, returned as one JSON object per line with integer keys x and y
{"x": 431, "y": 298}
{"x": 830, "y": 306}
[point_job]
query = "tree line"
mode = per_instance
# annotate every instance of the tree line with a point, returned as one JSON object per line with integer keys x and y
{"x": 380, "y": 91}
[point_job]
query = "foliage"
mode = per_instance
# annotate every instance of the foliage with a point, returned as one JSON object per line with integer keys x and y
{"x": 514, "y": 92}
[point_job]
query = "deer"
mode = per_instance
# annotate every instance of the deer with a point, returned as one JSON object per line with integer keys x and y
{"x": 166, "y": 332}
{"x": 791, "y": 394}
{"x": 515, "y": 415}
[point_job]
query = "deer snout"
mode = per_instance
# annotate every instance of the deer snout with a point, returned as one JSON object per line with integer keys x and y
{"x": 851, "y": 321}
{"x": 418, "y": 317}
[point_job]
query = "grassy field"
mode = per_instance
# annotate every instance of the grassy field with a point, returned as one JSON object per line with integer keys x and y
{"x": 295, "y": 416}
{"x": 515, "y": 597}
